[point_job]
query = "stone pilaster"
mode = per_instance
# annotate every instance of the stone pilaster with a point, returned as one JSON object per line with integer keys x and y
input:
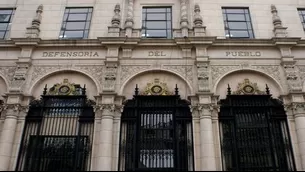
{"x": 110, "y": 70}
{"x": 104, "y": 157}
{"x": 298, "y": 109}
{"x": 207, "y": 149}
{"x": 11, "y": 112}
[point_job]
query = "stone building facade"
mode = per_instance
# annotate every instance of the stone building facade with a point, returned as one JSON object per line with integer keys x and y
{"x": 197, "y": 56}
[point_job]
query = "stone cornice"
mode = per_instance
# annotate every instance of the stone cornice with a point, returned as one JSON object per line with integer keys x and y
{"x": 124, "y": 41}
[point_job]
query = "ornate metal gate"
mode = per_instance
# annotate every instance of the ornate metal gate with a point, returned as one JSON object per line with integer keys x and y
{"x": 156, "y": 132}
{"x": 254, "y": 132}
{"x": 58, "y": 131}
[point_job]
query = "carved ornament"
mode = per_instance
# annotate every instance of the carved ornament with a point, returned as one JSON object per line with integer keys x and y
{"x": 65, "y": 88}
{"x": 156, "y": 88}
{"x": 247, "y": 87}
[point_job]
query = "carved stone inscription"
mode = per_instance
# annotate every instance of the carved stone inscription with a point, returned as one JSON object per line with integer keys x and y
{"x": 70, "y": 54}
{"x": 243, "y": 54}
{"x": 156, "y": 53}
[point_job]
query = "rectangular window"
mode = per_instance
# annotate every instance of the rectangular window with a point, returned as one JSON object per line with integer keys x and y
{"x": 76, "y": 23}
{"x": 302, "y": 17}
{"x": 237, "y": 23}
{"x": 157, "y": 22}
{"x": 6, "y": 16}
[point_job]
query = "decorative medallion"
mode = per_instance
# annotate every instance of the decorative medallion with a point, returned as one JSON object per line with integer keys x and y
{"x": 65, "y": 88}
{"x": 156, "y": 88}
{"x": 247, "y": 87}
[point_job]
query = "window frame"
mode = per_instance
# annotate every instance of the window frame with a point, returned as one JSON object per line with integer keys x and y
{"x": 168, "y": 30}
{"x": 8, "y": 27}
{"x": 248, "y": 22}
{"x": 301, "y": 12}
{"x": 65, "y": 21}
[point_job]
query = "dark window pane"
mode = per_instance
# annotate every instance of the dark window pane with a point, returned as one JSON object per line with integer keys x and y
{"x": 144, "y": 10}
{"x": 169, "y": 33}
{"x": 168, "y": 10}
{"x": 6, "y": 12}
{"x": 156, "y": 10}
{"x": 5, "y": 17}
{"x": 75, "y": 25}
{"x": 87, "y": 25}
{"x": 156, "y": 25}
{"x": 237, "y": 25}
{"x": 73, "y": 17}
{"x": 67, "y": 10}
{"x": 2, "y": 34}
{"x": 89, "y": 16}
{"x": 169, "y": 16}
{"x": 234, "y": 10}
{"x": 156, "y": 16}
{"x": 78, "y": 10}
{"x": 236, "y": 17}
{"x": 251, "y": 35}
{"x": 227, "y": 33}
{"x": 169, "y": 25}
{"x": 239, "y": 34}
{"x": 246, "y": 11}
{"x": 248, "y": 17}
{"x": 65, "y": 17}
{"x": 3, "y": 26}
{"x": 156, "y": 33}
{"x": 73, "y": 34}
{"x": 86, "y": 33}
{"x": 249, "y": 25}
{"x": 90, "y": 10}
{"x": 64, "y": 26}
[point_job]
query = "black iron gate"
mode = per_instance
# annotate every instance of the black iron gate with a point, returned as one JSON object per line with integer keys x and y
{"x": 58, "y": 131}
{"x": 255, "y": 134}
{"x": 156, "y": 134}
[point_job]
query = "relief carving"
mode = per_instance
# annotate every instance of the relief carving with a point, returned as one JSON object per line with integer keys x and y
{"x": 110, "y": 77}
{"x": 127, "y": 71}
{"x": 8, "y": 73}
{"x": 186, "y": 71}
{"x": 203, "y": 77}
{"x": 219, "y": 70}
{"x": 293, "y": 77}
{"x": 92, "y": 70}
{"x": 20, "y": 76}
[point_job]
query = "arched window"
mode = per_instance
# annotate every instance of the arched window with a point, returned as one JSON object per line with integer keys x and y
{"x": 58, "y": 131}
{"x": 254, "y": 131}
{"x": 156, "y": 132}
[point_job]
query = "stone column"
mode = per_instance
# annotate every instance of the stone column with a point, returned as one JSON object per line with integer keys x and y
{"x": 129, "y": 19}
{"x": 8, "y": 136}
{"x": 184, "y": 18}
{"x": 299, "y": 117}
{"x": 104, "y": 157}
{"x": 207, "y": 149}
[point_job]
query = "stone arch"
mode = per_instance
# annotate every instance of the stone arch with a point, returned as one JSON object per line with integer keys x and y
{"x": 185, "y": 87}
{"x": 74, "y": 76}
{"x": 3, "y": 86}
{"x": 236, "y": 76}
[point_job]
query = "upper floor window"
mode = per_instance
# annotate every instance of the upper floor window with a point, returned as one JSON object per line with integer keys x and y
{"x": 6, "y": 16}
{"x": 237, "y": 23}
{"x": 302, "y": 16}
{"x": 157, "y": 22}
{"x": 76, "y": 23}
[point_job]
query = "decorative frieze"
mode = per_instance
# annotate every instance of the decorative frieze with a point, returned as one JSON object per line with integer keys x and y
{"x": 203, "y": 74}
{"x": 217, "y": 71}
{"x": 292, "y": 77}
{"x": 110, "y": 75}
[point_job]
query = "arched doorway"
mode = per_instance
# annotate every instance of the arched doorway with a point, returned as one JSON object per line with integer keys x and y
{"x": 156, "y": 131}
{"x": 254, "y": 131}
{"x": 58, "y": 131}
